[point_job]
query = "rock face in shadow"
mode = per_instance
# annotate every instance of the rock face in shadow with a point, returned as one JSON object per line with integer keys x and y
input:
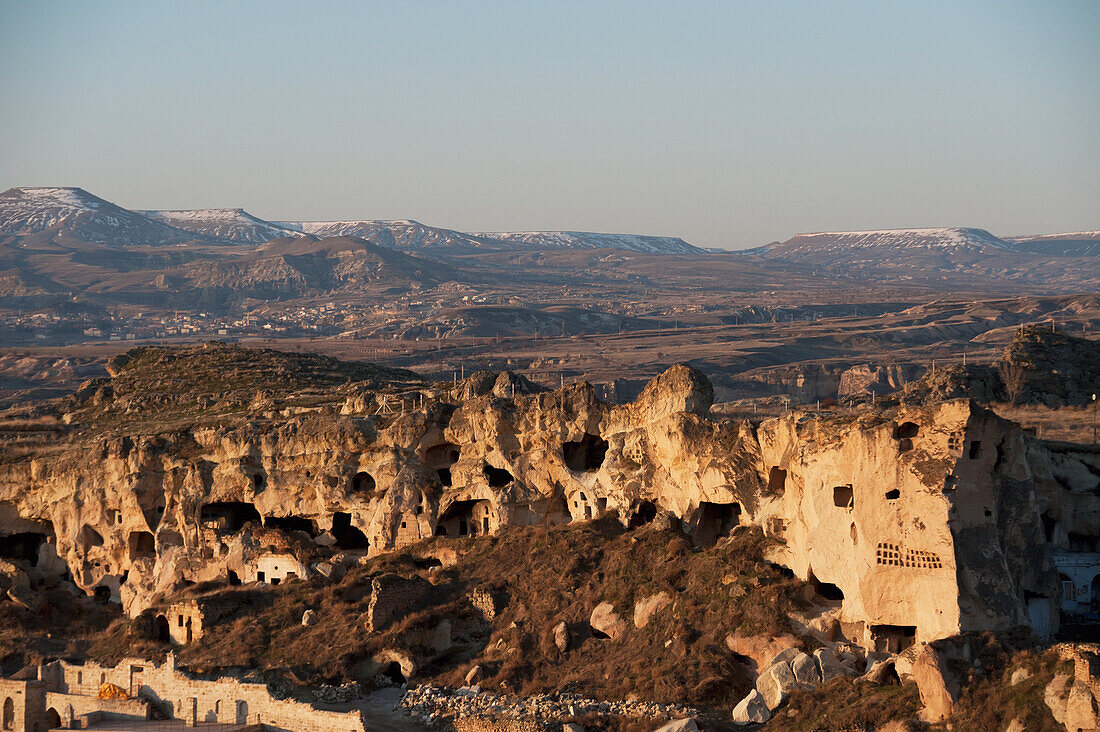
{"x": 917, "y": 520}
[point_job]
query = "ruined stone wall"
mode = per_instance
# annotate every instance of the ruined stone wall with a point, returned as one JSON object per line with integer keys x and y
{"x": 224, "y": 700}
{"x": 392, "y": 595}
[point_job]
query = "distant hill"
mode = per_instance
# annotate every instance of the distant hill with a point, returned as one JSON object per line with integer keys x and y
{"x": 590, "y": 240}
{"x": 77, "y": 214}
{"x": 839, "y": 246}
{"x": 234, "y": 224}
{"x": 1074, "y": 244}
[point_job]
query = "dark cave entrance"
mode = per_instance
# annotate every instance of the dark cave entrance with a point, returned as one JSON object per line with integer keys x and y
{"x": 715, "y": 521}
{"x": 643, "y": 514}
{"x": 464, "y": 518}
{"x": 142, "y": 544}
{"x": 393, "y": 672}
{"x": 291, "y": 523}
{"x": 363, "y": 483}
{"x": 23, "y": 546}
{"x": 497, "y": 477}
{"x": 441, "y": 458}
{"x": 228, "y": 517}
{"x": 586, "y": 454}
{"x": 161, "y": 630}
{"x": 346, "y": 535}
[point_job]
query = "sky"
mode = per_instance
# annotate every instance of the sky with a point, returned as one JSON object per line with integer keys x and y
{"x": 730, "y": 124}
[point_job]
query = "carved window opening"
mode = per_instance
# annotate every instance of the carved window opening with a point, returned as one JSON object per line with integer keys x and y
{"x": 843, "y": 497}
{"x": 465, "y": 518}
{"x": 894, "y": 555}
{"x": 233, "y": 579}
{"x": 142, "y": 545}
{"x": 441, "y": 458}
{"x": 9, "y": 714}
{"x": 893, "y": 495}
{"x": 585, "y": 455}
{"x": 975, "y": 450}
{"x": 259, "y": 482}
{"x": 777, "y": 481}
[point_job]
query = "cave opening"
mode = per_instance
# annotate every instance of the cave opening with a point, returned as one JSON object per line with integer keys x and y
{"x": 228, "y": 517}
{"x": 465, "y": 518}
{"x": 893, "y": 638}
{"x": 363, "y": 482}
{"x": 585, "y": 455}
{"x": 826, "y": 590}
{"x": 893, "y": 495}
{"x": 393, "y": 672}
{"x": 142, "y": 544}
{"x": 497, "y": 477}
{"x": 346, "y": 535}
{"x": 904, "y": 434}
{"x": 22, "y": 546}
{"x": 777, "y": 481}
{"x": 643, "y": 514}
{"x": 715, "y": 521}
{"x": 441, "y": 458}
{"x": 291, "y": 523}
{"x": 843, "y": 496}
{"x": 232, "y": 578}
{"x": 102, "y": 594}
{"x": 259, "y": 482}
{"x": 90, "y": 537}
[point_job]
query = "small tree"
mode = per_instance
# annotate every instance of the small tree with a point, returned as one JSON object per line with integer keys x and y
{"x": 1014, "y": 376}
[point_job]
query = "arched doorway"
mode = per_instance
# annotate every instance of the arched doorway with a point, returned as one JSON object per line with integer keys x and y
{"x": 242, "y": 712}
{"x": 9, "y": 714}
{"x": 163, "y": 633}
{"x": 1094, "y": 591}
{"x": 53, "y": 719}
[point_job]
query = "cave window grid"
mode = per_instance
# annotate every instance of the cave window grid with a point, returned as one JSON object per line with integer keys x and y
{"x": 894, "y": 555}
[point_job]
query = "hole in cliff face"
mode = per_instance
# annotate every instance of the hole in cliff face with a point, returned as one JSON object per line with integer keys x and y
{"x": 291, "y": 523}
{"x": 643, "y": 514}
{"x": 893, "y": 638}
{"x": 893, "y": 495}
{"x": 142, "y": 544}
{"x": 1079, "y": 542}
{"x": 259, "y": 482}
{"x": 102, "y": 594}
{"x": 90, "y": 537}
{"x": 465, "y": 518}
{"x": 346, "y": 535}
{"x": 161, "y": 632}
{"x": 228, "y": 517}
{"x": 586, "y": 454}
{"x": 904, "y": 434}
{"x": 22, "y": 547}
{"x": 497, "y": 477}
{"x": 975, "y": 450}
{"x": 362, "y": 483}
{"x": 715, "y": 521}
{"x": 233, "y": 579}
{"x": 777, "y": 481}
{"x": 826, "y": 590}
{"x": 843, "y": 496}
{"x": 1049, "y": 523}
{"x": 393, "y": 672}
{"x": 950, "y": 483}
{"x": 440, "y": 458}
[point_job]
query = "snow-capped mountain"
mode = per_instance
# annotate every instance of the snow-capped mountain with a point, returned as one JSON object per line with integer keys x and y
{"x": 590, "y": 240}
{"x": 234, "y": 224}
{"x": 826, "y": 247}
{"x": 75, "y": 212}
{"x": 396, "y": 234}
{"x": 1071, "y": 244}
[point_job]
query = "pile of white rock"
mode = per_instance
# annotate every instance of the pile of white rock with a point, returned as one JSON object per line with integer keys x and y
{"x": 791, "y": 669}
{"x": 430, "y": 703}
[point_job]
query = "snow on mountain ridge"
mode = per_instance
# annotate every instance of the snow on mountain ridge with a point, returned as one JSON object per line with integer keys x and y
{"x": 931, "y": 238}
{"x": 594, "y": 240}
{"x": 234, "y": 224}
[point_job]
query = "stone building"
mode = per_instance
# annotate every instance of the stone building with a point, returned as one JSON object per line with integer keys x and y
{"x": 65, "y": 696}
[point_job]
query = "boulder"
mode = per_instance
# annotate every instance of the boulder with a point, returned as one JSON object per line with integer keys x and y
{"x": 806, "y": 670}
{"x": 561, "y": 636}
{"x": 775, "y": 684}
{"x": 751, "y": 710}
{"x": 309, "y": 617}
{"x": 325, "y": 539}
{"x": 828, "y": 664}
{"x": 785, "y": 656}
{"x": 1081, "y": 711}
{"x": 679, "y": 725}
{"x": 475, "y": 675}
{"x": 1020, "y": 675}
{"x": 650, "y": 606}
{"x": 571, "y": 727}
{"x": 22, "y": 596}
{"x": 879, "y": 671}
{"x": 1056, "y": 696}
{"x": 605, "y": 620}
{"x": 1016, "y": 725}
{"x": 939, "y": 689}
{"x": 760, "y": 649}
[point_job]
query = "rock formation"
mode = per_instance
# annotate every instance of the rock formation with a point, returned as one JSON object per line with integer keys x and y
{"x": 920, "y": 522}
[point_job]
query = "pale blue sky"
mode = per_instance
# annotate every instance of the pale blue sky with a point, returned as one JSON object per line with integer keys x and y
{"x": 727, "y": 123}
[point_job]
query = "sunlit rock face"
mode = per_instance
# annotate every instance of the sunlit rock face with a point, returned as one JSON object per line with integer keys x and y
{"x": 920, "y": 523}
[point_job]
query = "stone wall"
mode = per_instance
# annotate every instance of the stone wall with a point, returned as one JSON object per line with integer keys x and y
{"x": 392, "y": 595}
{"x": 181, "y": 697}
